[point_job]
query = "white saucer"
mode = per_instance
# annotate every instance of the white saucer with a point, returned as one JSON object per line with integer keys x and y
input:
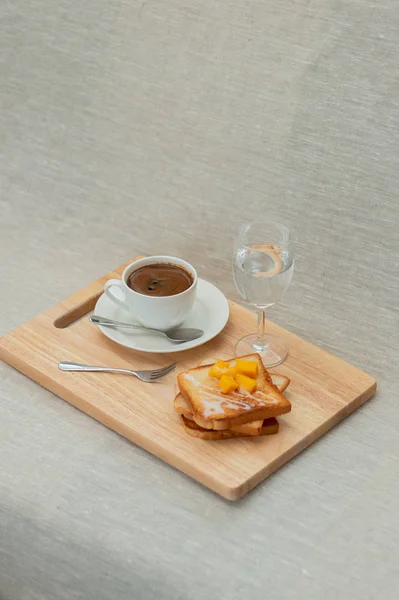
{"x": 210, "y": 313}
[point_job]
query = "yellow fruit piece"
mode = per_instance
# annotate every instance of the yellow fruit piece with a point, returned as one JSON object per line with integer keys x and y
{"x": 247, "y": 367}
{"x": 227, "y": 384}
{"x": 232, "y": 371}
{"x": 215, "y": 372}
{"x": 246, "y": 383}
{"x": 221, "y": 364}
{"x": 218, "y": 369}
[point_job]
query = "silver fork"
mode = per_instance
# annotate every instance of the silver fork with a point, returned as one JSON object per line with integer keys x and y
{"x": 148, "y": 376}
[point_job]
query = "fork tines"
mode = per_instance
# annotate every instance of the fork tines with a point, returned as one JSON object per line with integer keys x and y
{"x": 161, "y": 372}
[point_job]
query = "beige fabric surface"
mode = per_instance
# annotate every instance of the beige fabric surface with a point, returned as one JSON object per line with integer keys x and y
{"x": 159, "y": 126}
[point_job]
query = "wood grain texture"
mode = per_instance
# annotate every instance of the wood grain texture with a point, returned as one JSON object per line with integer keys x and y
{"x": 324, "y": 390}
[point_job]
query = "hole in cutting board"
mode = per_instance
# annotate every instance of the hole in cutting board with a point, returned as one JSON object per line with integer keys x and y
{"x": 76, "y": 313}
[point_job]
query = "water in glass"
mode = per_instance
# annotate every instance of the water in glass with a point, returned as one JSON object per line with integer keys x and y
{"x": 262, "y": 275}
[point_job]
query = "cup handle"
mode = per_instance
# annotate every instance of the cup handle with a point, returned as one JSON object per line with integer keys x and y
{"x": 108, "y": 292}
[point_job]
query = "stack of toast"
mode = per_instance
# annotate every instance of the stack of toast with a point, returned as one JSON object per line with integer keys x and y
{"x": 209, "y": 413}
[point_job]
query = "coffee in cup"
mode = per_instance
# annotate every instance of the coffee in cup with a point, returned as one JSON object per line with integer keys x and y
{"x": 160, "y": 279}
{"x": 158, "y": 291}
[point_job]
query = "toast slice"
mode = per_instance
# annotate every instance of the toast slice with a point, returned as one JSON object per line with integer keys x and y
{"x": 212, "y": 409}
{"x": 269, "y": 427}
{"x": 184, "y": 409}
{"x": 280, "y": 381}
{"x": 254, "y": 427}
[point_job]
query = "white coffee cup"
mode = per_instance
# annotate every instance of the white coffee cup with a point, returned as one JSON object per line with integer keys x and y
{"x": 157, "y": 312}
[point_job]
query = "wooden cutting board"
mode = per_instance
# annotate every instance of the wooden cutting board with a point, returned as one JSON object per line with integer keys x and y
{"x": 323, "y": 391}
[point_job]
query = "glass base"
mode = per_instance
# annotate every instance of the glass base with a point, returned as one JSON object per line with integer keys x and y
{"x": 272, "y": 350}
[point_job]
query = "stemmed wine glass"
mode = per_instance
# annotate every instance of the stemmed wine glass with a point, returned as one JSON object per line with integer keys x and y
{"x": 263, "y": 264}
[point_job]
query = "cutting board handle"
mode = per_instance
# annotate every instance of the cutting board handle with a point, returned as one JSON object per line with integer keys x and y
{"x": 79, "y": 310}
{"x": 80, "y": 304}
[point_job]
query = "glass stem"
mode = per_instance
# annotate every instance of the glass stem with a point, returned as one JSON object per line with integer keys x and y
{"x": 261, "y": 341}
